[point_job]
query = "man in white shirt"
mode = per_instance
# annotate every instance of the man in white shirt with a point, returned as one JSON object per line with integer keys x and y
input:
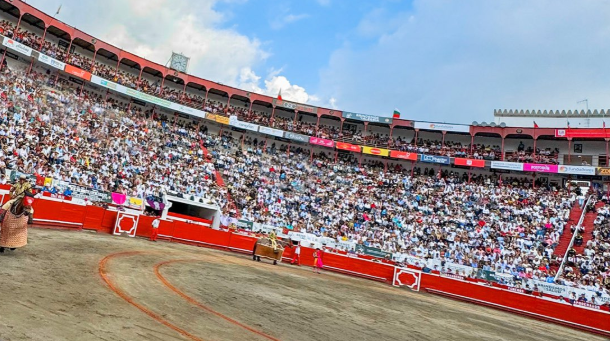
{"x": 155, "y": 229}
{"x": 296, "y": 255}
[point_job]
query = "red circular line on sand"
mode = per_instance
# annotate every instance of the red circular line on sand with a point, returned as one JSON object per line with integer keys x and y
{"x": 103, "y": 273}
{"x": 196, "y": 303}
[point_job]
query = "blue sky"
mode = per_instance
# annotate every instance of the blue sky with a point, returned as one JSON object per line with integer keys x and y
{"x": 440, "y": 60}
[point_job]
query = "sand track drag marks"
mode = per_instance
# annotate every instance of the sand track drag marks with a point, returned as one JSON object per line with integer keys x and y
{"x": 52, "y": 290}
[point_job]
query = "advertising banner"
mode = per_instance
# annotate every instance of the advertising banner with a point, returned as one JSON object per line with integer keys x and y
{"x": 469, "y": 162}
{"x": 487, "y": 275}
{"x": 577, "y": 170}
{"x": 14, "y": 176}
{"x": 271, "y": 131}
{"x": 435, "y": 159}
{"x": 458, "y": 128}
{"x": 245, "y": 224}
{"x": 242, "y": 125}
{"x": 221, "y": 119}
{"x": 147, "y": 98}
{"x": 582, "y": 133}
{"x": 295, "y": 106}
{"x": 604, "y": 171}
{"x": 296, "y": 137}
{"x": 367, "y": 118}
{"x": 43, "y": 58}
{"x": 322, "y": 142}
{"x": 372, "y": 251}
{"x": 568, "y": 292}
{"x": 541, "y": 168}
{"x": 403, "y": 155}
{"x": 13, "y": 45}
{"x": 515, "y": 166}
{"x": 375, "y": 151}
{"x": 91, "y": 194}
{"x": 80, "y": 73}
{"x": 349, "y": 147}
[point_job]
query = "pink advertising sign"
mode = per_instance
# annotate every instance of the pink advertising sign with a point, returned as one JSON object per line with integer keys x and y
{"x": 322, "y": 142}
{"x": 541, "y": 168}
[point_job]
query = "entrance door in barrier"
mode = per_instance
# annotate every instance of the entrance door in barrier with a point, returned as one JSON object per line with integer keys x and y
{"x": 126, "y": 222}
{"x": 404, "y": 277}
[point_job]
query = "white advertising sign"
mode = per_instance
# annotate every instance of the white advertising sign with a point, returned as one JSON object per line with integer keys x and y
{"x": 242, "y": 125}
{"x": 271, "y": 131}
{"x": 13, "y": 45}
{"x": 458, "y": 128}
{"x": 51, "y": 61}
{"x": 516, "y": 166}
{"x": 578, "y": 170}
{"x": 146, "y": 97}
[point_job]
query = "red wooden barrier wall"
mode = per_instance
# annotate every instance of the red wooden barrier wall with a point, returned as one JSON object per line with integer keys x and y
{"x": 55, "y": 213}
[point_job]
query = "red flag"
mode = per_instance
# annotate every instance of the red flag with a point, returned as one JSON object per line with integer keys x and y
{"x": 279, "y": 95}
{"x": 536, "y": 125}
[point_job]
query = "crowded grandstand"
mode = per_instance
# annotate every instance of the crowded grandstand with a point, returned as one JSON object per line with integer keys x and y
{"x": 467, "y": 201}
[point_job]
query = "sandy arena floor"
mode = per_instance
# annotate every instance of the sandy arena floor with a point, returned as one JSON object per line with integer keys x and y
{"x": 53, "y": 289}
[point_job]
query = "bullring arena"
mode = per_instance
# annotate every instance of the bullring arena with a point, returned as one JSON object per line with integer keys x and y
{"x": 149, "y": 193}
{"x": 68, "y": 285}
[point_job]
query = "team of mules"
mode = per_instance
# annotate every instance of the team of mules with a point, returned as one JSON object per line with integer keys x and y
{"x": 14, "y": 230}
{"x": 264, "y": 248}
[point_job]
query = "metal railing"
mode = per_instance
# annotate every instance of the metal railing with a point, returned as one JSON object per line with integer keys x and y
{"x": 576, "y": 232}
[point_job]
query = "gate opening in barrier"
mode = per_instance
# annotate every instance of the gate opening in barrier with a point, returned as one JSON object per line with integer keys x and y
{"x": 405, "y": 277}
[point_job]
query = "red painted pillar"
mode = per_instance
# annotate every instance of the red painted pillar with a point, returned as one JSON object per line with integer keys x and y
{"x": 318, "y": 122}
{"x": 502, "y": 150}
{"x": 44, "y": 34}
{"x": 140, "y": 75}
{"x": 534, "y": 149}
{"x": 444, "y": 134}
{"x": 161, "y": 88}
{"x": 18, "y": 23}
{"x": 183, "y": 93}
{"x": 412, "y": 167}
{"x": 569, "y": 150}
{"x": 415, "y": 139}
{"x": 68, "y": 51}
{"x": 271, "y": 120}
{"x": 93, "y": 60}
{"x": 30, "y": 67}
{"x": 471, "y": 147}
{"x": 607, "y": 154}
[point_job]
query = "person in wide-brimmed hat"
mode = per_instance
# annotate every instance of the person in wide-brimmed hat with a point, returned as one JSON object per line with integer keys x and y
{"x": 18, "y": 191}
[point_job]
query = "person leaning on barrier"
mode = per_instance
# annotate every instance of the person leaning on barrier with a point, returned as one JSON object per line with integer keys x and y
{"x": 17, "y": 192}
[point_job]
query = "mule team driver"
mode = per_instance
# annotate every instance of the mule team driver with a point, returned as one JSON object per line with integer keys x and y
{"x": 18, "y": 191}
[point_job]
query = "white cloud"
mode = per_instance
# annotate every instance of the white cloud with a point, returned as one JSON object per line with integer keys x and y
{"x": 154, "y": 28}
{"x": 272, "y": 85}
{"x": 284, "y": 19}
{"x": 459, "y": 60}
